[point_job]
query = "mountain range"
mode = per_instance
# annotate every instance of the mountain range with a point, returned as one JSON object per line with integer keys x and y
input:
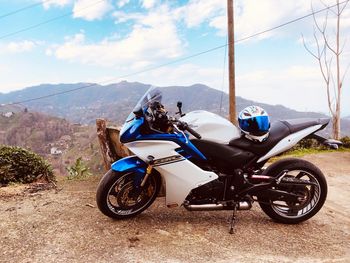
{"x": 114, "y": 102}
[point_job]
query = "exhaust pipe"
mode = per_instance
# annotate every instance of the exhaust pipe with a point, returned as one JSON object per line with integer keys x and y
{"x": 243, "y": 205}
{"x": 205, "y": 207}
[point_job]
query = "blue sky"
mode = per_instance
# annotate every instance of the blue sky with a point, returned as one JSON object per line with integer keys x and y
{"x": 101, "y": 40}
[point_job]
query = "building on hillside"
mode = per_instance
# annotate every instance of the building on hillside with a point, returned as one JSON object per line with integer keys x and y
{"x": 8, "y": 114}
{"x": 55, "y": 151}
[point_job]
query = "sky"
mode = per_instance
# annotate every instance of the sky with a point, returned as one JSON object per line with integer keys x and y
{"x": 107, "y": 41}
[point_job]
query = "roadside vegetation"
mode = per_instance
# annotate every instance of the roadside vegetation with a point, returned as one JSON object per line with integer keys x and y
{"x": 78, "y": 170}
{"x": 18, "y": 165}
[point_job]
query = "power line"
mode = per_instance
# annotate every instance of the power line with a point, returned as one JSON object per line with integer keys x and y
{"x": 171, "y": 62}
{"x": 72, "y": 12}
{"x": 23, "y": 9}
{"x": 48, "y": 21}
{"x": 290, "y": 22}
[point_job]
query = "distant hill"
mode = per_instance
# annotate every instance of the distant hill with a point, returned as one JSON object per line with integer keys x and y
{"x": 33, "y": 130}
{"x": 10, "y": 108}
{"x": 115, "y": 101}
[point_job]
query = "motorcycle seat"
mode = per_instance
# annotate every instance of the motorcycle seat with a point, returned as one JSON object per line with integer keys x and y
{"x": 296, "y": 125}
{"x": 278, "y": 130}
{"x": 223, "y": 155}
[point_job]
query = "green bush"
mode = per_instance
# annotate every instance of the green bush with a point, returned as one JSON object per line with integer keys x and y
{"x": 22, "y": 166}
{"x": 78, "y": 170}
{"x": 307, "y": 143}
{"x": 346, "y": 141}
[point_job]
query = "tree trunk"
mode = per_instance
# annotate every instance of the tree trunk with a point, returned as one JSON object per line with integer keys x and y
{"x": 336, "y": 125}
{"x": 336, "y": 128}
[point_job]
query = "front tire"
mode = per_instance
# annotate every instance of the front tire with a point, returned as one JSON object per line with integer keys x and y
{"x": 313, "y": 196}
{"x": 117, "y": 197}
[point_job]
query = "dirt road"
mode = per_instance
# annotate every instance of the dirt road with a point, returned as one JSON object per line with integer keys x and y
{"x": 66, "y": 226}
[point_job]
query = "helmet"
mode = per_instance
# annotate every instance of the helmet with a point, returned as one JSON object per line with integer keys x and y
{"x": 254, "y": 122}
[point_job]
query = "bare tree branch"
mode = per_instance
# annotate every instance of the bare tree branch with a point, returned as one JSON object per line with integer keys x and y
{"x": 307, "y": 49}
{"x": 344, "y": 74}
{"x": 344, "y": 6}
{"x": 327, "y": 6}
{"x": 321, "y": 30}
{"x": 344, "y": 44}
{"x": 327, "y": 50}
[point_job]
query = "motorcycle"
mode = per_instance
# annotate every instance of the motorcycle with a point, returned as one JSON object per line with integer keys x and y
{"x": 207, "y": 164}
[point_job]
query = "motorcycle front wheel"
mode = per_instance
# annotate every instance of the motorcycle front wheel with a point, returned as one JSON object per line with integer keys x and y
{"x": 117, "y": 197}
{"x": 311, "y": 197}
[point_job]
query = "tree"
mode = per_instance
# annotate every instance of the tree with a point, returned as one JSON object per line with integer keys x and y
{"x": 328, "y": 50}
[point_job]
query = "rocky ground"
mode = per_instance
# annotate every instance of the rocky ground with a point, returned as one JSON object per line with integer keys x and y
{"x": 65, "y": 226}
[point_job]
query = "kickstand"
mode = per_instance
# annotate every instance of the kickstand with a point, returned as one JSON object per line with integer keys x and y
{"x": 233, "y": 219}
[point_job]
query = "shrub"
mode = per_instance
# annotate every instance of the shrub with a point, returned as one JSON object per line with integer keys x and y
{"x": 307, "y": 143}
{"x": 346, "y": 141}
{"x": 78, "y": 170}
{"x": 22, "y": 166}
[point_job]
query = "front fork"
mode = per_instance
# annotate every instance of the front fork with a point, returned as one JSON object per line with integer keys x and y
{"x": 139, "y": 168}
{"x": 149, "y": 170}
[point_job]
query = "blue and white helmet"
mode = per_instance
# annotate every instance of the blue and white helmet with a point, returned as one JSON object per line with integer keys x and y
{"x": 254, "y": 122}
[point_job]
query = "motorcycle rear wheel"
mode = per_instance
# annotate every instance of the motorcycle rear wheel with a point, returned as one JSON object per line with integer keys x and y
{"x": 312, "y": 196}
{"x": 117, "y": 197}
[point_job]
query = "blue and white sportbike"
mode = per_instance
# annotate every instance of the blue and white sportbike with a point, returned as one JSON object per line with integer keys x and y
{"x": 207, "y": 163}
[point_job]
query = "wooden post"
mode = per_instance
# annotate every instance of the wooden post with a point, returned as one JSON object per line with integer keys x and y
{"x": 119, "y": 149}
{"x": 231, "y": 62}
{"x": 102, "y": 134}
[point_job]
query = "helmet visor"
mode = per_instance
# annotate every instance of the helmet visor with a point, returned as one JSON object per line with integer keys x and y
{"x": 258, "y": 125}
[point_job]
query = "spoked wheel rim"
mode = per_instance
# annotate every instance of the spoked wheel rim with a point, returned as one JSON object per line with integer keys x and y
{"x": 309, "y": 196}
{"x": 123, "y": 199}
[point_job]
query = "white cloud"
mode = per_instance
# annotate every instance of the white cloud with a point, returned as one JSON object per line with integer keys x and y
{"x": 252, "y": 16}
{"x": 59, "y": 3}
{"x": 306, "y": 91}
{"x": 198, "y": 11}
{"x": 17, "y": 47}
{"x": 122, "y": 17}
{"x": 122, "y": 3}
{"x": 148, "y": 3}
{"x": 153, "y": 38}
{"x": 2, "y": 68}
{"x": 90, "y": 9}
{"x": 185, "y": 74}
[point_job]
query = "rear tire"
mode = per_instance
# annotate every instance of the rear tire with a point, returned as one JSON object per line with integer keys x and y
{"x": 313, "y": 196}
{"x": 116, "y": 196}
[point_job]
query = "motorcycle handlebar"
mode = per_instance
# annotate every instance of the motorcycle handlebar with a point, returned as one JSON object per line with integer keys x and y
{"x": 184, "y": 126}
{"x": 193, "y": 132}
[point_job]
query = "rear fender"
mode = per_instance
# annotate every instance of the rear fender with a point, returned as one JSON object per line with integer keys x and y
{"x": 131, "y": 164}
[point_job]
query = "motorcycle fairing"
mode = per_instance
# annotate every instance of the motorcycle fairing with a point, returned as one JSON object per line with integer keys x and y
{"x": 131, "y": 131}
{"x": 131, "y": 164}
{"x": 180, "y": 177}
{"x": 211, "y": 127}
{"x": 289, "y": 141}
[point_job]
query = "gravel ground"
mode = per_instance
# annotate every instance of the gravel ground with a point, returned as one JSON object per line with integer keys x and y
{"x": 66, "y": 226}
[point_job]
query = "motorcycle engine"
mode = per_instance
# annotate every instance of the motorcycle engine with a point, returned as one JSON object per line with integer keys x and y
{"x": 223, "y": 188}
{"x": 207, "y": 193}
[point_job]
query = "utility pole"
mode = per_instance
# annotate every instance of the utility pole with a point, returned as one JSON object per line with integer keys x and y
{"x": 231, "y": 62}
